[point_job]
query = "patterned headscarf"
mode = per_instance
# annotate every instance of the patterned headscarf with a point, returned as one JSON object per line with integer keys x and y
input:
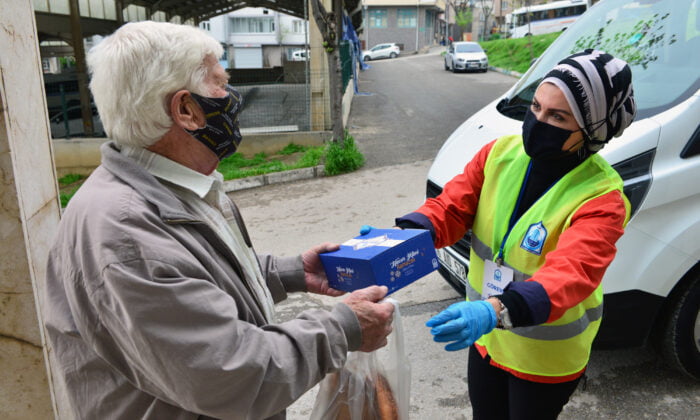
{"x": 598, "y": 88}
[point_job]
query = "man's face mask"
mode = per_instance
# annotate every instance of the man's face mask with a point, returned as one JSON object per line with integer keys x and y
{"x": 221, "y": 133}
{"x": 543, "y": 141}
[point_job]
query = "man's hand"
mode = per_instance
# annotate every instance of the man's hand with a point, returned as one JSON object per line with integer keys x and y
{"x": 314, "y": 275}
{"x": 375, "y": 318}
{"x": 462, "y": 324}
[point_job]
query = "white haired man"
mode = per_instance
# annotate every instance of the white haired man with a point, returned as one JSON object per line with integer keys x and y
{"x": 158, "y": 307}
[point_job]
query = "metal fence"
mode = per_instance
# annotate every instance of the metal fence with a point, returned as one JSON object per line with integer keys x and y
{"x": 276, "y": 99}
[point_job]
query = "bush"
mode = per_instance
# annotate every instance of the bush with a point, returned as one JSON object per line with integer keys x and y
{"x": 343, "y": 157}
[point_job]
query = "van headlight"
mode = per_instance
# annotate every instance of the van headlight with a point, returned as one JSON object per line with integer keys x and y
{"x": 636, "y": 175}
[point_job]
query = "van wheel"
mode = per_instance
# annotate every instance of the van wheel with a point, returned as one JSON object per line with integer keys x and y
{"x": 680, "y": 344}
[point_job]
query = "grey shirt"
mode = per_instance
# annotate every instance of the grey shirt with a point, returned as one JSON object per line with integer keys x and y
{"x": 147, "y": 315}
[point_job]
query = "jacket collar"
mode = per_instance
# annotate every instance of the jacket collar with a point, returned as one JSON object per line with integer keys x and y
{"x": 169, "y": 206}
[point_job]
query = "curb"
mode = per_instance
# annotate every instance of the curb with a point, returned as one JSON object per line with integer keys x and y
{"x": 504, "y": 71}
{"x": 273, "y": 178}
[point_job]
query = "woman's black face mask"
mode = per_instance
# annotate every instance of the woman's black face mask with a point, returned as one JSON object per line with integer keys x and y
{"x": 543, "y": 141}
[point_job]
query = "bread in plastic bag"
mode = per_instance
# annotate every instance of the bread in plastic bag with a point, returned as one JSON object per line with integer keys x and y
{"x": 371, "y": 386}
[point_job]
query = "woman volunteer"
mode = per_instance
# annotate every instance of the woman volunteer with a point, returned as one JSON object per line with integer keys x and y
{"x": 545, "y": 212}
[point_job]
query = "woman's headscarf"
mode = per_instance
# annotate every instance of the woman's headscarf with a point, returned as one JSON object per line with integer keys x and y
{"x": 598, "y": 88}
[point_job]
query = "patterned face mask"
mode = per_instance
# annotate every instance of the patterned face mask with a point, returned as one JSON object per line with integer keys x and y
{"x": 221, "y": 133}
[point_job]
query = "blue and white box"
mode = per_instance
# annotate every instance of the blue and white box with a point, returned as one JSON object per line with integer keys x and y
{"x": 385, "y": 257}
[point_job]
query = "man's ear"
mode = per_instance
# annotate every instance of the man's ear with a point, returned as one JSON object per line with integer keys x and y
{"x": 186, "y": 112}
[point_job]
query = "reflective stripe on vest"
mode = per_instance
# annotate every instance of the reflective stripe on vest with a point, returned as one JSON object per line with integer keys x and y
{"x": 538, "y": 332}
{"x": 560, "y": 347}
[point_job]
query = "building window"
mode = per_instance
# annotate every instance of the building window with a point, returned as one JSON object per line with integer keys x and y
{"x": 406, "y": 18}
{"x": 206, "y": 25}
{"x": 254, "y": 25}
{"x": 377, "y": 18}
{"x": 298, "y": 26}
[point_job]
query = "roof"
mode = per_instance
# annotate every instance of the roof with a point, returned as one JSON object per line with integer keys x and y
{"x": 57, "y": 26}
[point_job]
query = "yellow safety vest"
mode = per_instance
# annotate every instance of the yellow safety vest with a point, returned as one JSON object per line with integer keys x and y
{"x": 561, "y": 347}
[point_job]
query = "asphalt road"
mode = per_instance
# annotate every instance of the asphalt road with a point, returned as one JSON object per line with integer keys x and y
{"x": 399, "y": 135}
{"x": 414, "y": 105}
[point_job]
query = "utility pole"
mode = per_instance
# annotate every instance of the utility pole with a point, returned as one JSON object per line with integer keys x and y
{"x": 417, "y": 22}
{"x": 529, "y": 31}
{"x": 81, "y": 69}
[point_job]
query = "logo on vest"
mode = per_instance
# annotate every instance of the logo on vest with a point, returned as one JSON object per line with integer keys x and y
{"x": 534, "y": 238}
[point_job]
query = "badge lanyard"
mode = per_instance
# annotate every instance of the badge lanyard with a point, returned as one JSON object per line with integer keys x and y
{"x": 496, "y": 276}
{"x": 511, "y": 223}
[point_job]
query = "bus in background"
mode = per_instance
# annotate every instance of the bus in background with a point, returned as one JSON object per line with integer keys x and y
{"x": 544, "y": 18}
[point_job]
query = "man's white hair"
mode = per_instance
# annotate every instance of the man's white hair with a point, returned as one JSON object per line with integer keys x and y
{"x": 136, "y": 70}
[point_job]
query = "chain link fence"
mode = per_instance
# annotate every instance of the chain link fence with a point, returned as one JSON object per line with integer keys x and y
{"x": 277, "y": 99}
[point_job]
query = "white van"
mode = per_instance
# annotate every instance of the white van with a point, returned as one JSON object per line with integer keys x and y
{"x": 652, "y": 288}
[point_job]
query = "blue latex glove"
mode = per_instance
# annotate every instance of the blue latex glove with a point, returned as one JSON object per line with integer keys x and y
{"x": 365, "y": 229}
{"x": 462, "y": 324}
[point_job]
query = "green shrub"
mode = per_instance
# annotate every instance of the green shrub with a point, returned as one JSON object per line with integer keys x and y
{"x": 343, "y": 157}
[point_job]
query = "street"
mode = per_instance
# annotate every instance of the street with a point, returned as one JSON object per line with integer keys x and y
{"x": 415, "y": 105}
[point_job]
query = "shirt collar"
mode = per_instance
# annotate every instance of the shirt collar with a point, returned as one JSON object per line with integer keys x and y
{"x": 173, "y": 172}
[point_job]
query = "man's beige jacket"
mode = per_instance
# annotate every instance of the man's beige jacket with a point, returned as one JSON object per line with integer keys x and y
{"x": 149, "y": 316}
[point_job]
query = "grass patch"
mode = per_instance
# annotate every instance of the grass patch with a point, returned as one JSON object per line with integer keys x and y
{"x": 68, "y": 185}
{"x": 290, "y": 157}
{"x": 343, "y": 157}
{"x": 514, "y": 54}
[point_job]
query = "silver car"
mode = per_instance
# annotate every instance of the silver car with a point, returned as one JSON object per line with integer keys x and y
{"x": 387, "y": 50}
{"x": 466, "y": 56}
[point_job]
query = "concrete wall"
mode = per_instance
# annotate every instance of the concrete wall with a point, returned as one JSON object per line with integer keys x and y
{"x": 29, "y": 216}
{"x": 81, "y": 156}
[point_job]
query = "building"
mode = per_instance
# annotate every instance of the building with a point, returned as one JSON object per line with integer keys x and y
{"x": 413, "y": 24}
{"x": 256, "y": 37}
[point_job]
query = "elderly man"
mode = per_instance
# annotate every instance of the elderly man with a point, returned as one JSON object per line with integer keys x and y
{"x": 158, "y": 306}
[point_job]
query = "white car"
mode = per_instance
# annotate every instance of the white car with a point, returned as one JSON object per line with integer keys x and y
{"x": 299, "y": 55}
{"x": 466, "y": 56}
{"x": 387, "y": 50}
{"x": 652, "y": 288}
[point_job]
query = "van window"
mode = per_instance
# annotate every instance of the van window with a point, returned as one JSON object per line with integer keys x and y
{"x": 659, "y": 39}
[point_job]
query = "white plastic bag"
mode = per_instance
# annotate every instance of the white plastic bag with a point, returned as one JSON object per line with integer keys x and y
{"x": 371, "y": 386}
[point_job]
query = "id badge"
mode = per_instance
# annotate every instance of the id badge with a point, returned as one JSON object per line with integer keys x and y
{"x": 496, "y": 278}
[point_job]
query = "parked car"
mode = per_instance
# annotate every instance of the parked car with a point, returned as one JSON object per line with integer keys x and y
{"x": 388, "y": 50}
{"x": 75, "y": 123}
{"x": 652, "y": 288}
{"x": 466, "y": 56}
{"x": 299, "y": 55}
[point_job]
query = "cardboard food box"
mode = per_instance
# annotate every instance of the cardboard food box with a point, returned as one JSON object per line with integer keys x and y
{"x": 385, "y": 257}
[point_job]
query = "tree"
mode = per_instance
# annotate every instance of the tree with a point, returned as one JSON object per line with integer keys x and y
{"x": 463, "y": 14}
{"x": 486, "y": 9}
{"x": 330, "y": 25}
